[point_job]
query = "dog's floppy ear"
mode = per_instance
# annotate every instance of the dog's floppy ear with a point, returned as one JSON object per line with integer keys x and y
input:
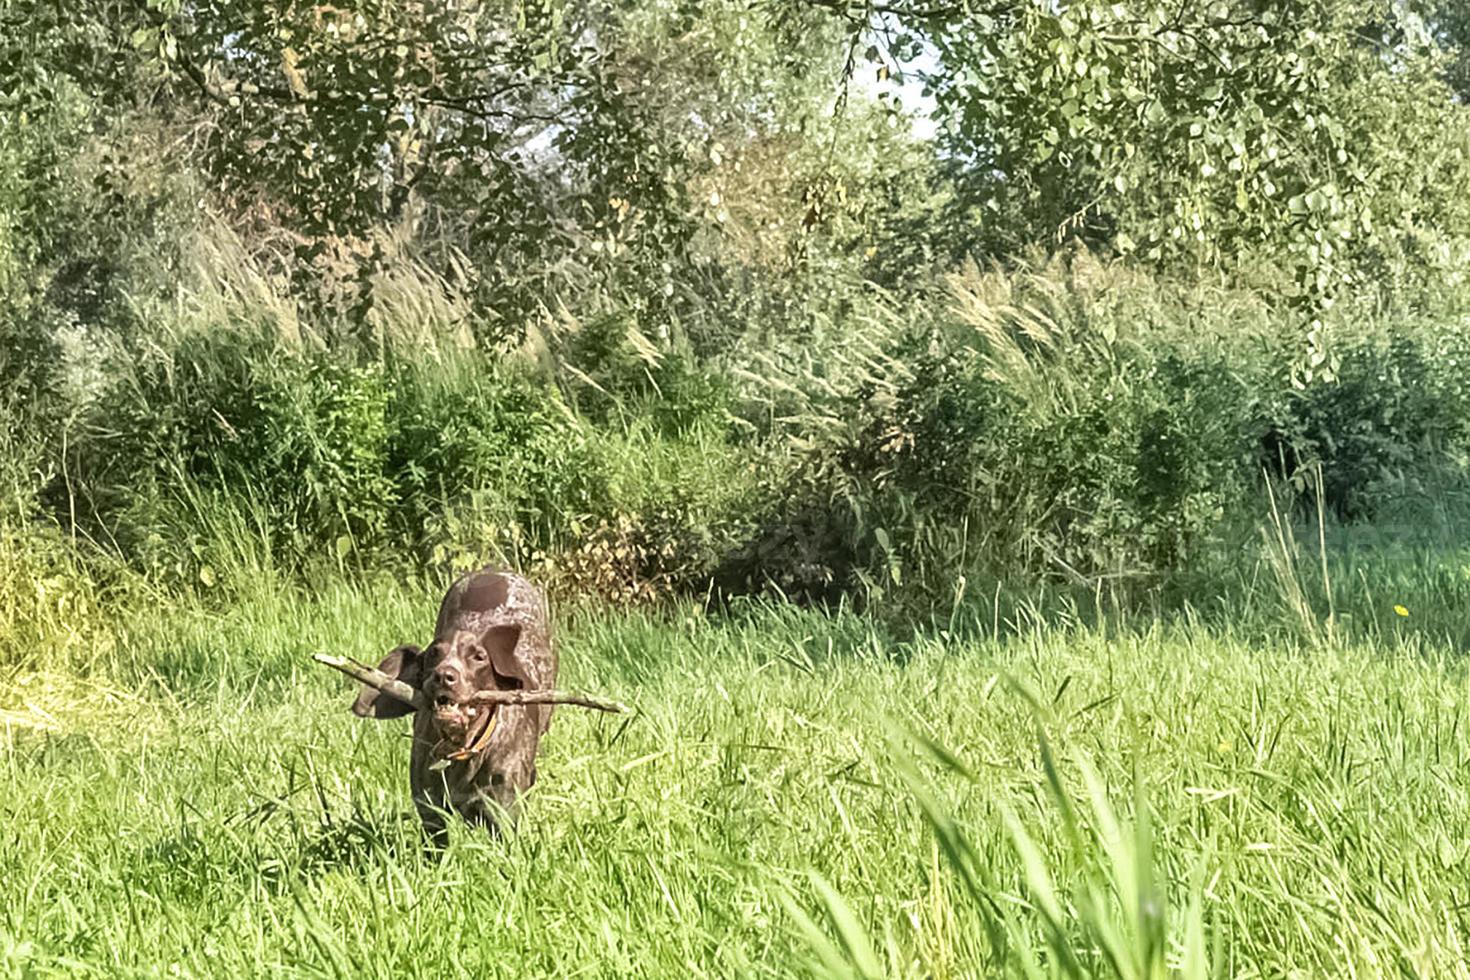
{"x": 405, "y": 664}
{"x": 500, "y": 642}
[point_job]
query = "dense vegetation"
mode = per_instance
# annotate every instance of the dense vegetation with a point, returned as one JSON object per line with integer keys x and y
{"x": 305, "y": 307}
{"x": 206, "y": 812}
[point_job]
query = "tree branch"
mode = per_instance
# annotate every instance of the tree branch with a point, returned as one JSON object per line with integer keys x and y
{"x": 412, "y": 696}
{"x": 851, "y": 9}
{"x": 373, "y": 677}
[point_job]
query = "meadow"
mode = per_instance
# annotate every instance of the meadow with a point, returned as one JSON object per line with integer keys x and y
{"x": 1049, "y": 790}
{"x": 1015, "y": 464}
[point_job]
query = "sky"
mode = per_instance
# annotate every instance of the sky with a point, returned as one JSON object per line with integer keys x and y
{"x": 908, "y": 87}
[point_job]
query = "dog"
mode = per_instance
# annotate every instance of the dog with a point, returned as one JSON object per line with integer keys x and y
{"x": 474, "y": 760}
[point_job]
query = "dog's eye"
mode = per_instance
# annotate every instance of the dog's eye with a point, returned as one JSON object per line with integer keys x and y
{"x": 478, "y": 655}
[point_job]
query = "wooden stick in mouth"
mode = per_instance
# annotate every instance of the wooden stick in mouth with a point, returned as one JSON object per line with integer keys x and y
{"x": 372, "y": 677}
{"x": 548, "y": 697}
{"x": 411, "y": 695}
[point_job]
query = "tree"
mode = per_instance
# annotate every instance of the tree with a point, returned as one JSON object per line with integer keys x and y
{"x": 567, "y": 148}
{"x": 1319, "y": 137}
{"x": 1450, "y": 22}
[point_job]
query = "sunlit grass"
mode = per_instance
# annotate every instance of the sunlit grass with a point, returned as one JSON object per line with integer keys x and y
{"x": 798, "y": 792}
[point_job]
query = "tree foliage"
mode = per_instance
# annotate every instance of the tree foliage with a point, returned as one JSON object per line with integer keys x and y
{"x": 1323, "y": 138}
{"x": 1450, "y": 22}
{"x": 665, "y": 158}
{"x": 557, "y": 145}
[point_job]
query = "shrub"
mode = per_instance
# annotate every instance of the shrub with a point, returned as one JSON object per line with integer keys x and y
{"x": 677, "y": 504}
{"x": 24, "y": 457}
{"x": 615, "y": 373}
{"x": 1069, "y": 420}
{"x": 1399, "y": 411}
{"x": 486, "y": 462}
{"x": 1120, "y": 471}
{"x": 51, "y": 614}
{"x": 1047, "y": 428}
{"x": 300, "y": 433}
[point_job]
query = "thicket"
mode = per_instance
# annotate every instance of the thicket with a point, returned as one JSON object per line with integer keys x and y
{"x": 1069, "y": 419}
{"x": 660, "y": 319}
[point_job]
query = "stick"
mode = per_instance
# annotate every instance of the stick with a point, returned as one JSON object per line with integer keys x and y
{"x": 372, "y": 677}
{"x": 411, "y": 695}
{"x": 548, "y": 697}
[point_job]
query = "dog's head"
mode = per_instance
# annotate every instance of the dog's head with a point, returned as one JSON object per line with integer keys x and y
{"x": 450, "y": 672}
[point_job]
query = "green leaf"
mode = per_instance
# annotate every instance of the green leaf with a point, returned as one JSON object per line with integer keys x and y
{"x": 850, "y": 932}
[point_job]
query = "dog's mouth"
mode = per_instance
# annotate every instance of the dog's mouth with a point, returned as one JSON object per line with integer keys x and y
{"x": 464, "y": 728}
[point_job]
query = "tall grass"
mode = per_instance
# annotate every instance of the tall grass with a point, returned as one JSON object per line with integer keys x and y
{"x": 1066, "y": 420}
{"x": 1135, "y": 799}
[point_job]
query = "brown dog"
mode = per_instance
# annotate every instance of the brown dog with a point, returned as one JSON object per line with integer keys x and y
{"x": 474, "y": 760}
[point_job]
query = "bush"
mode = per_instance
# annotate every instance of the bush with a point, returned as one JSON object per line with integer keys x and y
{"x": 678, "y": 503}
{"x": 323, "y": 455}
{"x": 1400, "y": 406}
{"x": 51, "y": 613}
{"x": 486, "y": 462}
{"x": 1117, "y": 466}
{"x": 1035, "y": 434}
{"x": 1075, "y": 422}
{"x": 24, "y": 457}
{"x": 1070, "y": 420}
{"x": 301, "y": 434}
{"x": 617, "y": 374}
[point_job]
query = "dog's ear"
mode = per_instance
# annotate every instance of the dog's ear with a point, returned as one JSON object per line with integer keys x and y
{"x": 405, "y": 664}
{"x": 501, "y": 642}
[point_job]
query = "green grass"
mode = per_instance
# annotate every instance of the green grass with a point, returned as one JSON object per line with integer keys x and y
{"x": 201, "y": 803}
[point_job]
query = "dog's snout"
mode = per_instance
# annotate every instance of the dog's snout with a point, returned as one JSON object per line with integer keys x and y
{"x": 446, "y": 676}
